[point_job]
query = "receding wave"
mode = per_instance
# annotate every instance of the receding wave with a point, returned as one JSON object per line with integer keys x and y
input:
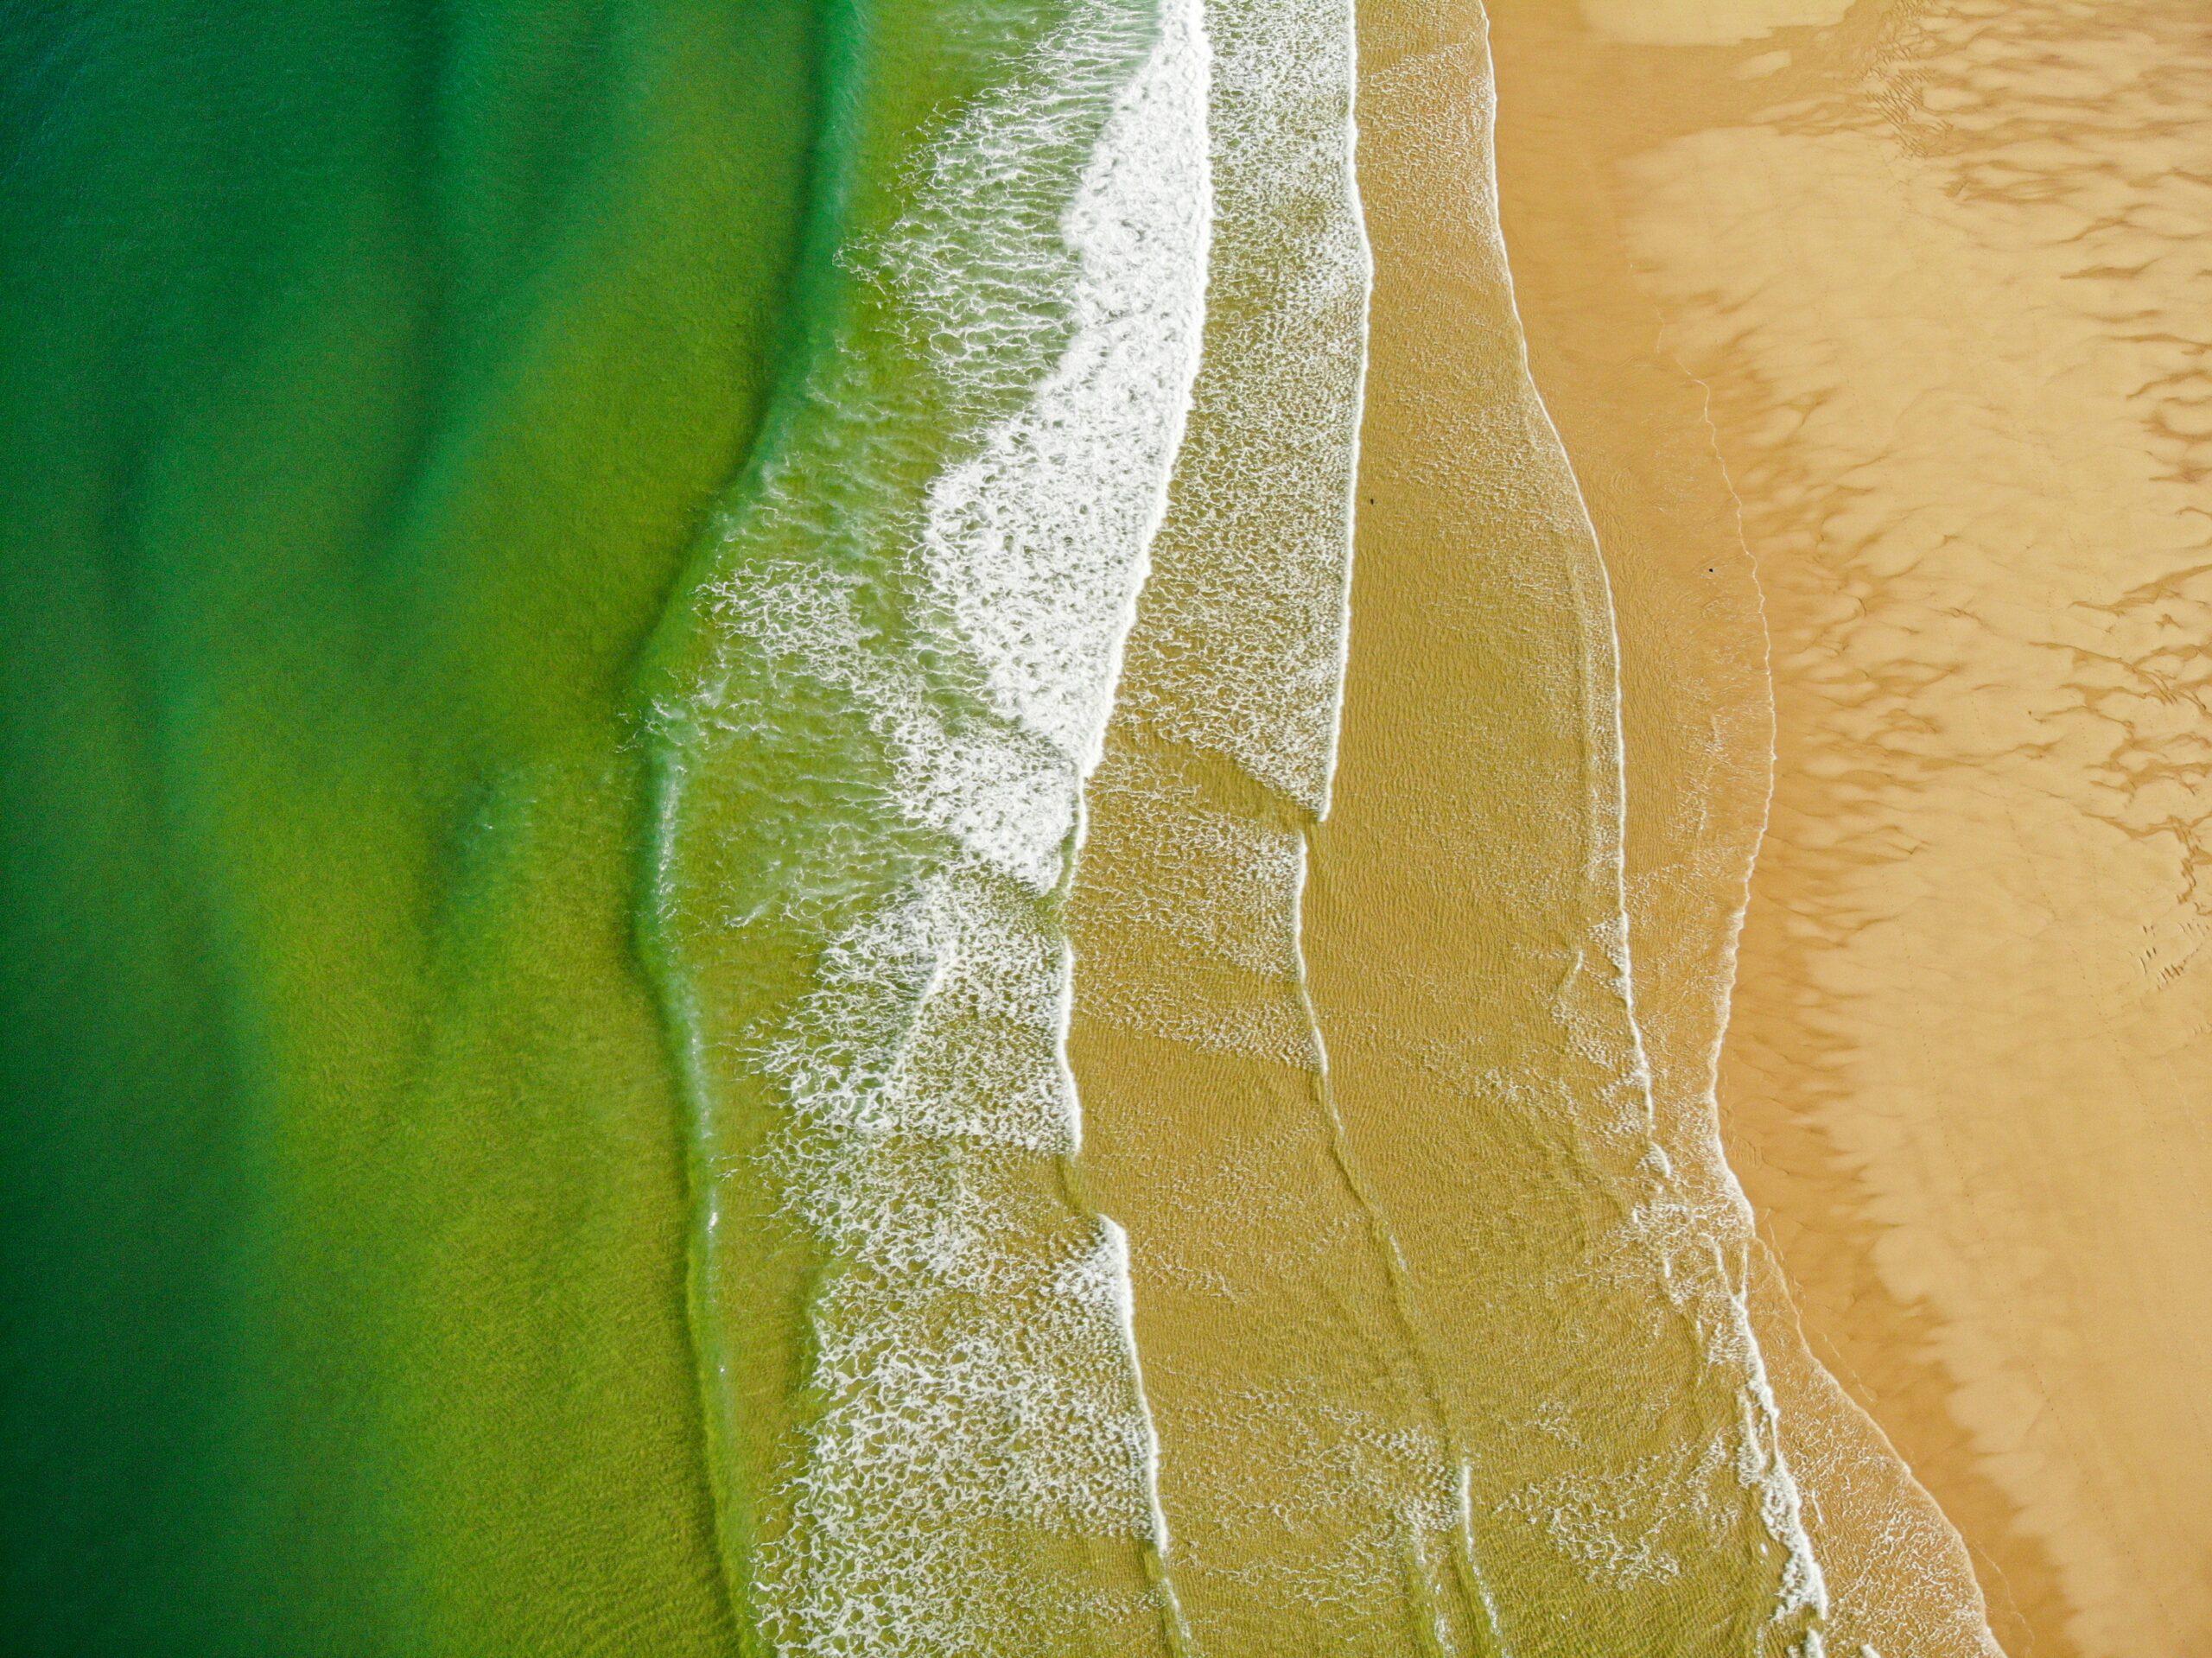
{"x": 1238, "y": 654}
{"x": 915, "y": 627}
{"x": 1325, "y": 1497}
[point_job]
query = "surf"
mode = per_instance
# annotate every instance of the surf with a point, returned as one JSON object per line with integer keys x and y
{"x": 910, "y": 636}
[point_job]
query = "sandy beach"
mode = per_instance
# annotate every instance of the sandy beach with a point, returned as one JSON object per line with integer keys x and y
{"x": 1398, "y": 1315}
{"x": 1697, "y": 719}
{"x": 1935, "y": 276}
{"x": 1825, "y": 430}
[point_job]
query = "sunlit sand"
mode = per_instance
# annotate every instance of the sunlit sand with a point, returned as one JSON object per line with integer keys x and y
{"x": 1941, "y": 274}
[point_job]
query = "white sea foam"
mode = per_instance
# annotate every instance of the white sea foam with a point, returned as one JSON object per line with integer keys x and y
{"x": 1238, "y": 649}
{"x": 973, "y": 1340}
{"x": 1241, "y": 648}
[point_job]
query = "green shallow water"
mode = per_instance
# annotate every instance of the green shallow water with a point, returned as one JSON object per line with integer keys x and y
{"x": 366, "y": 374}
{"x": 535, "y": 1114}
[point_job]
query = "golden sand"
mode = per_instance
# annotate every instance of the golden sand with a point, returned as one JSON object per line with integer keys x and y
{"x": 1943, "y": 272}
{"x": 1700, "y": 22}
{"x": 1871, "y": 340}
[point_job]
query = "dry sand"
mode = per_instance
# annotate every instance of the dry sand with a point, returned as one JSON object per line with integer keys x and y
{"x": 1943, "y": 273}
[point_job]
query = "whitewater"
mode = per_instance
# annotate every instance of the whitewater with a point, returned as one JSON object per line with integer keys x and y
{"x": 977, "y": 1426}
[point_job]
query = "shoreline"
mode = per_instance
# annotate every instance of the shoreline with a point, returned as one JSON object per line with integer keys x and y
{"x": 1699, "y": 726}
{"x": 1465, "y": 935}
{"x": 1923, "y": 264}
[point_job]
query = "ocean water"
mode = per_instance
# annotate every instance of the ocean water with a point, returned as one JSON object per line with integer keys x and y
{"x": 1304, "y": 1458}
{"x": 368, "y": 376}
{"x": 871, "y": 747}
{"x": 647, "y": 647}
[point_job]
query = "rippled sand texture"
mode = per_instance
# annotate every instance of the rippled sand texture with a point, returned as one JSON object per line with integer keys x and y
{"x": 1946, "y": 273}
{"x": 1697, "y": 715}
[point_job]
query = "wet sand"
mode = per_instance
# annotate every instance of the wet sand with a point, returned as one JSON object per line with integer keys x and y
{"x": 1418, "y": 1381}
{"x": 1940, "y": 273}
{"x": 1698, "y": 718}
{"x": 1464, "y": 932}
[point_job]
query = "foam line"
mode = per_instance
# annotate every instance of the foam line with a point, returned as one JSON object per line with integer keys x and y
{"x": 1802, "y": 1593}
